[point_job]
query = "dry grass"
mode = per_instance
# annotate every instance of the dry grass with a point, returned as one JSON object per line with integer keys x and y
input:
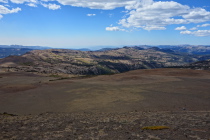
{"x": 155, "y": 127}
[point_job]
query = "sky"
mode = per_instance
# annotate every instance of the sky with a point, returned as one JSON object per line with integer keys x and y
{"x": 88, "y": 23}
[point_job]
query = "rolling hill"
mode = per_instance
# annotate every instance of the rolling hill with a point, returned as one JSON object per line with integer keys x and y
{"x": 56, "y": 61}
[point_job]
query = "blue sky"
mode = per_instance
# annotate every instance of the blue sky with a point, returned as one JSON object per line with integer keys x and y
{"x": 86, "y": 23}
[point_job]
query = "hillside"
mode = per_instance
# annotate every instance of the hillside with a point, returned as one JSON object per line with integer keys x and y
{"x": 54, "y": 61}
{"x": 200, "y": 65}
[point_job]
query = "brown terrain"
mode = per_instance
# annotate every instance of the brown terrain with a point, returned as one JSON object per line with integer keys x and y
{"x": 202, "y": 65}
{"x": 55, "y": 61}
{"x": 115, "y": 106}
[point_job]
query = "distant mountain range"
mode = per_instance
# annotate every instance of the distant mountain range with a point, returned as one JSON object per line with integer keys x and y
{"x": 28, "y": 47}
{"x": 105, "y": 61}
{"x": 4, "y": 52}
{"x": 191, "y": 49}
{"x": 7, "y": 50}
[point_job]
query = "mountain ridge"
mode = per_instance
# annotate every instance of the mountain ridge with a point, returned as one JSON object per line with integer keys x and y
{"x": 56, "y": 61}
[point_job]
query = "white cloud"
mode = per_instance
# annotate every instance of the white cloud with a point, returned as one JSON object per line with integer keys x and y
{"x": 153, "y": 28}
{"x": 114, "y": 29}
{"x": 186, "y": 32}
{"x": 203, "y": 25}
{"x": 98, "y": 4}
{"x": 47, "y": 0}
{"x": 158, "y": 14}
{"x": 19, "y": 1}
{"x": 5, "y": 10}
{"x": 91, "y": 15}
{"x": 181, "y": 28}
{"x": 51, "y": 6}
{"x": 197, "y": 33}
{"x": 194, "y": 28}
{"x": 23, "y": 1}
{"x": 4, "y": 1}
{"x": 145, "y": 14}
{"x": 197, "y": 15}
{"x": 32, "y": 4}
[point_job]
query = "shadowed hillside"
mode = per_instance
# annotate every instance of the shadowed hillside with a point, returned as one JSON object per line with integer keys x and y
{"x": 200, "y": 65}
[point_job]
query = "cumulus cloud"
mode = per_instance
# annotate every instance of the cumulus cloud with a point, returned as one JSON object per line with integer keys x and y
{"x": 4, "y": 1}
{"x": 98, "y": 4}
{"x": 29, "y": 2}
{"x": 194, "y": 28}
{"x": 203, "y": 25}
{"x": 197, "y": 15}
{"x": 51, "y": 6}
{"x": 181, "y": 28}
{"x": 114, "y": 29}
{"x": 91, "y": 15}
{"x": 144, "y": 14}
{"x": 197, "y": 33}
{"x": 5, "y": 10}
{"x": 186, "y": 32}
{"x": 160, "y": 14}
{"x": 18, "y": 1}
{"x": 153, "y": 28}
{"x": 32, "y": 4}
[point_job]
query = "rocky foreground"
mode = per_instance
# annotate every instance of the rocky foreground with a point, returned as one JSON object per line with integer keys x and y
{"x": 133, "y": 125}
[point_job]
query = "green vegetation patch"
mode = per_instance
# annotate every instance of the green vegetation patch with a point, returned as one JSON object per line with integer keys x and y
{"x": 105, "y": 70}
{"x": 155, "y": 127}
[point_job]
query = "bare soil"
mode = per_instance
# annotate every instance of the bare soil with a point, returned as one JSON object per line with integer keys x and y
{"x": 107, "y": 106}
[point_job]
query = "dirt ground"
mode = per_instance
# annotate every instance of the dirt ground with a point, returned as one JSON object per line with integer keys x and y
{"x": 177, "y": 98}
{"x": 140, "y": 90}
{"x": 107, "y": 126}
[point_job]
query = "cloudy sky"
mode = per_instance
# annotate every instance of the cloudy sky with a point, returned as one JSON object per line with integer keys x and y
{"x": 85, "y": 23}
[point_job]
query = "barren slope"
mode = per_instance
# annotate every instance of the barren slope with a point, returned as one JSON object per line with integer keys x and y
{"x": 143, "y": 90}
